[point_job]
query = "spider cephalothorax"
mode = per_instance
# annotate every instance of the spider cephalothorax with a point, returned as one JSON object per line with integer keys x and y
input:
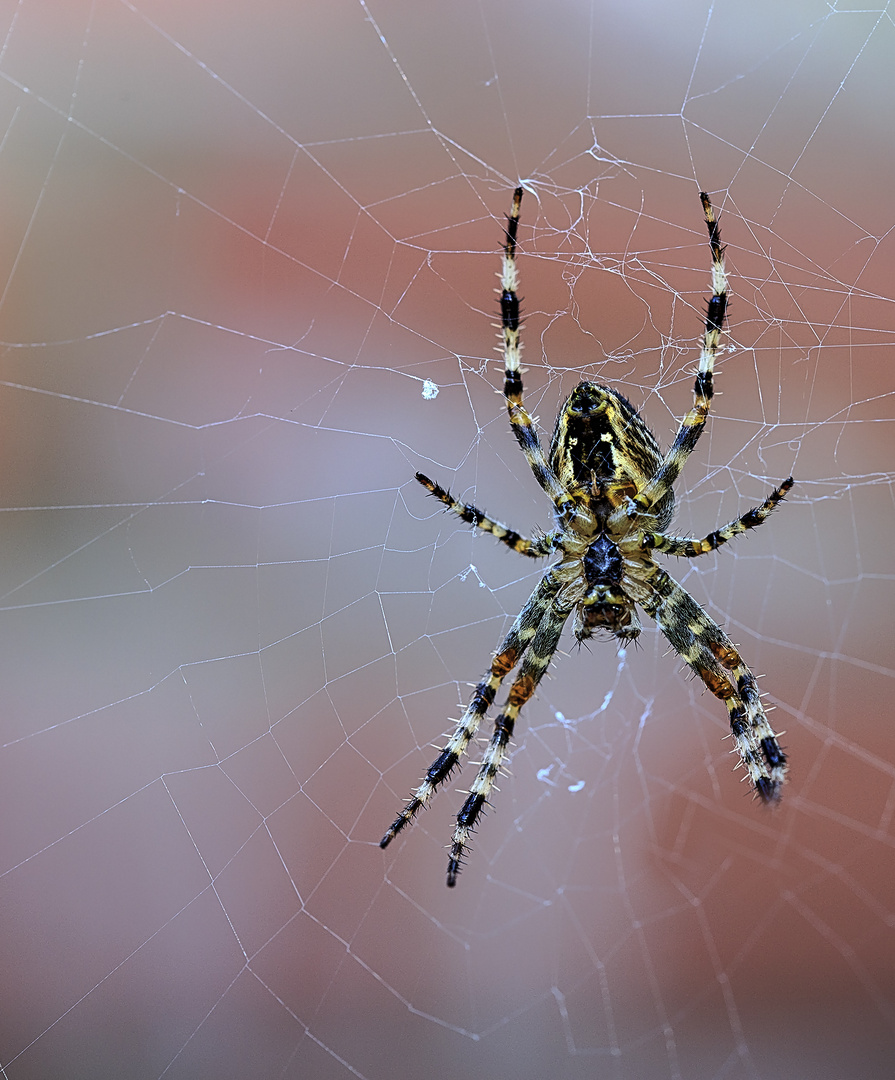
{"x": 611, "y": 488}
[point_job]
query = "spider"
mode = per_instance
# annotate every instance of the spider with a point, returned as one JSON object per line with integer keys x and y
{"x": 611, "y": 488}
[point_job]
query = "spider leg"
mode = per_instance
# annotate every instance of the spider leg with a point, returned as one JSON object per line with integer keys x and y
{"x": 514, "y": 645}
{"x": 536, "y": 548}
{"x": 714, "y": 658}
{"x": 692, "y": 425}
{"x": 521, "y": 421}
{"x": 690, "y": 548}
{"x": 536, "y": 662}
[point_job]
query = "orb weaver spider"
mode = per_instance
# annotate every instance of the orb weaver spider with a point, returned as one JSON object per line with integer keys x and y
{"x": 612, "y": 490}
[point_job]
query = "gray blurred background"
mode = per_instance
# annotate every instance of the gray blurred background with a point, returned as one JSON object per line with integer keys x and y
{"x": 237, "y": 239}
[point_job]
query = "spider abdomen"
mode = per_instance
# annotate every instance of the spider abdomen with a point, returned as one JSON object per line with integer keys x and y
{"x": 602, "y": 446}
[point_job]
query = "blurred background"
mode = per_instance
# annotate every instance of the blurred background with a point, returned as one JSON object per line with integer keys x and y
{"x": 249, "y": 257}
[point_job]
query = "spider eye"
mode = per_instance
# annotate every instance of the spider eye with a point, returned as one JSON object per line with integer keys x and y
{"x": 586, "y": 399}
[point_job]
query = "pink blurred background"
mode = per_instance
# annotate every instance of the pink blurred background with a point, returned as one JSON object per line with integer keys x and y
{"x": 237, "y": 239}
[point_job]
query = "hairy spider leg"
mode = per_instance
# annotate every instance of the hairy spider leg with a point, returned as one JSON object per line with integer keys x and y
{"x": 536, "y": 548}
{"x": 692, "y": 425}
{"x": 703, "y": 645}
{"x": 690, "y": 547}
{"x": 520, "y": 420}
{"x": 514, "y": 645}
{"x": 535, "y": 663}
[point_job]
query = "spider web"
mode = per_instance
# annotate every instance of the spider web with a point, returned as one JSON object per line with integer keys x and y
{"x": 249, "y": 256}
